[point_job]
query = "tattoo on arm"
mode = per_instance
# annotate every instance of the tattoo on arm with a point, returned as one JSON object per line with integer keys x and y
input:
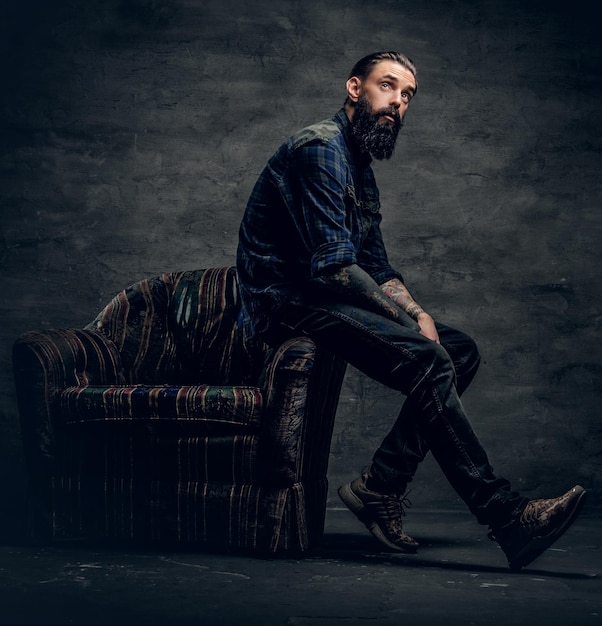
{"x": 354, "y": 285}
{"x": 398, "y": 292}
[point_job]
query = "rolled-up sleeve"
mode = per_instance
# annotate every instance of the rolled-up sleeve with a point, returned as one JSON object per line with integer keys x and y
{"x": 320, "y": 182}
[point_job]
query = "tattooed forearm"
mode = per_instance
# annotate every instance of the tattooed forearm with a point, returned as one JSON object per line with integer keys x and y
{"x": 398, "y": 292}
{"x": 356, "y": 286}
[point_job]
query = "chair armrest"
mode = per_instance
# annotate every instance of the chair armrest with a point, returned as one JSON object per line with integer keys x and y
{"x": 302, "y": 386}
{"x": 44, "y": 363}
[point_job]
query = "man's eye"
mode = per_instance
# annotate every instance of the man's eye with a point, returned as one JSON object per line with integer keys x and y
{"x": 385, "y": 85}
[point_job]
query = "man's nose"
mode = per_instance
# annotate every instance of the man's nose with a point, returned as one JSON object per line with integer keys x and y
{"x": 396, "y": 100}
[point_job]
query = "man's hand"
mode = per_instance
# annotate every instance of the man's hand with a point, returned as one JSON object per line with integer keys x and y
{"x": 427, "y": 327}
{"x": 352, "y": 284}
{"x": 399, "y": 293}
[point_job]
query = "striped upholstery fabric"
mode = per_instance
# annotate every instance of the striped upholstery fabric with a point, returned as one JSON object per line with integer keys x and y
{"x": 160, "y": 421}
{"x": 251, "y": 516}
{"x": 201, "y": 407}
{"x": 115, "y": 454}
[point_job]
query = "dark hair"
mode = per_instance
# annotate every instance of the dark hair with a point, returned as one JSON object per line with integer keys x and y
{"x": 364, "y": 66}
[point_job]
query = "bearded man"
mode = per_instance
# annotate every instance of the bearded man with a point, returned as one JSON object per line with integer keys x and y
{"x": 311, "y": 261}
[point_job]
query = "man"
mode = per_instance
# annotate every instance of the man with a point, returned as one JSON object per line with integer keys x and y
{"x": 311, "y": 261}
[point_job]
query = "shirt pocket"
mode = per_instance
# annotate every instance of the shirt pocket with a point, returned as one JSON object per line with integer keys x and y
{"x": 360, "y": 214}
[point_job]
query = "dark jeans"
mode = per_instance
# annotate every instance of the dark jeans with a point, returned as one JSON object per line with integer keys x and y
{"x": 432, "y": 377}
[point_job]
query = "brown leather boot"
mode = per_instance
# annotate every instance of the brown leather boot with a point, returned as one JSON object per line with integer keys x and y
{"x": 538, "y": 527}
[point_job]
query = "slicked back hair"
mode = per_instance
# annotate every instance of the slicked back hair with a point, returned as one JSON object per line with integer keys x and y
{"x": 364, "y": 66}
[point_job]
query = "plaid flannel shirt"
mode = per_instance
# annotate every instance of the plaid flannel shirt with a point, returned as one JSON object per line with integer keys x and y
{"x": 314, "y": 208}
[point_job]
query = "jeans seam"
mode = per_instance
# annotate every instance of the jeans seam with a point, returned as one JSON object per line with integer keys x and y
{"x": 353, "y": 322}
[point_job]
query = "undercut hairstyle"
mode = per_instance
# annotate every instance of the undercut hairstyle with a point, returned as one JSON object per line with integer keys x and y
{"x": 364, "y": 66}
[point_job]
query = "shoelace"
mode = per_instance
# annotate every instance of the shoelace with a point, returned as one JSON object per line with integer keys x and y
{"x": 531, "y": 515}
{"x": 396, "y": 504}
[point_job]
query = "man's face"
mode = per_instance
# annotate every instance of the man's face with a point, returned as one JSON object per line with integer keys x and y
{"x": 381, "y": 101}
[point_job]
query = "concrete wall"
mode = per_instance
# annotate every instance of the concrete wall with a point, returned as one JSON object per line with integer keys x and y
{"x": 134, "y": 131}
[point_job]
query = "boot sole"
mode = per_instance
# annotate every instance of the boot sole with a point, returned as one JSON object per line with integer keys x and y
{"x": 540, "y": 544}
{"x": 356, "y": 506}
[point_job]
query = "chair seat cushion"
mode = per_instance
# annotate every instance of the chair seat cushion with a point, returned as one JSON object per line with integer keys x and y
{"x": 201, "y": 409}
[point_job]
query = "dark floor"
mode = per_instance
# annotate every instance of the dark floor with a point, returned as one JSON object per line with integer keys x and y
{"x": 458, "y": 577}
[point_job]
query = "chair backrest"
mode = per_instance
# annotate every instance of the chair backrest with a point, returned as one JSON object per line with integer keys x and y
{"x": 182, "y": 328}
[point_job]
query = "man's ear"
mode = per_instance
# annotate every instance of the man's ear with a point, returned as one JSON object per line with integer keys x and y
{"x": 354, "y": 85}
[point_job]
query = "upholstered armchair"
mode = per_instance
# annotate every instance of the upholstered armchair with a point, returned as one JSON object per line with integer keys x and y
{"x": 160, "y": 422}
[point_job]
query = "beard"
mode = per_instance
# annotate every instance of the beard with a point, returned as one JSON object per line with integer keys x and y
{"x": 374, "y": 136}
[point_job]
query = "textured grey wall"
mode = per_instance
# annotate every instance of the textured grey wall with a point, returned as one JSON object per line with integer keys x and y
{"x": 134, "y": 131}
